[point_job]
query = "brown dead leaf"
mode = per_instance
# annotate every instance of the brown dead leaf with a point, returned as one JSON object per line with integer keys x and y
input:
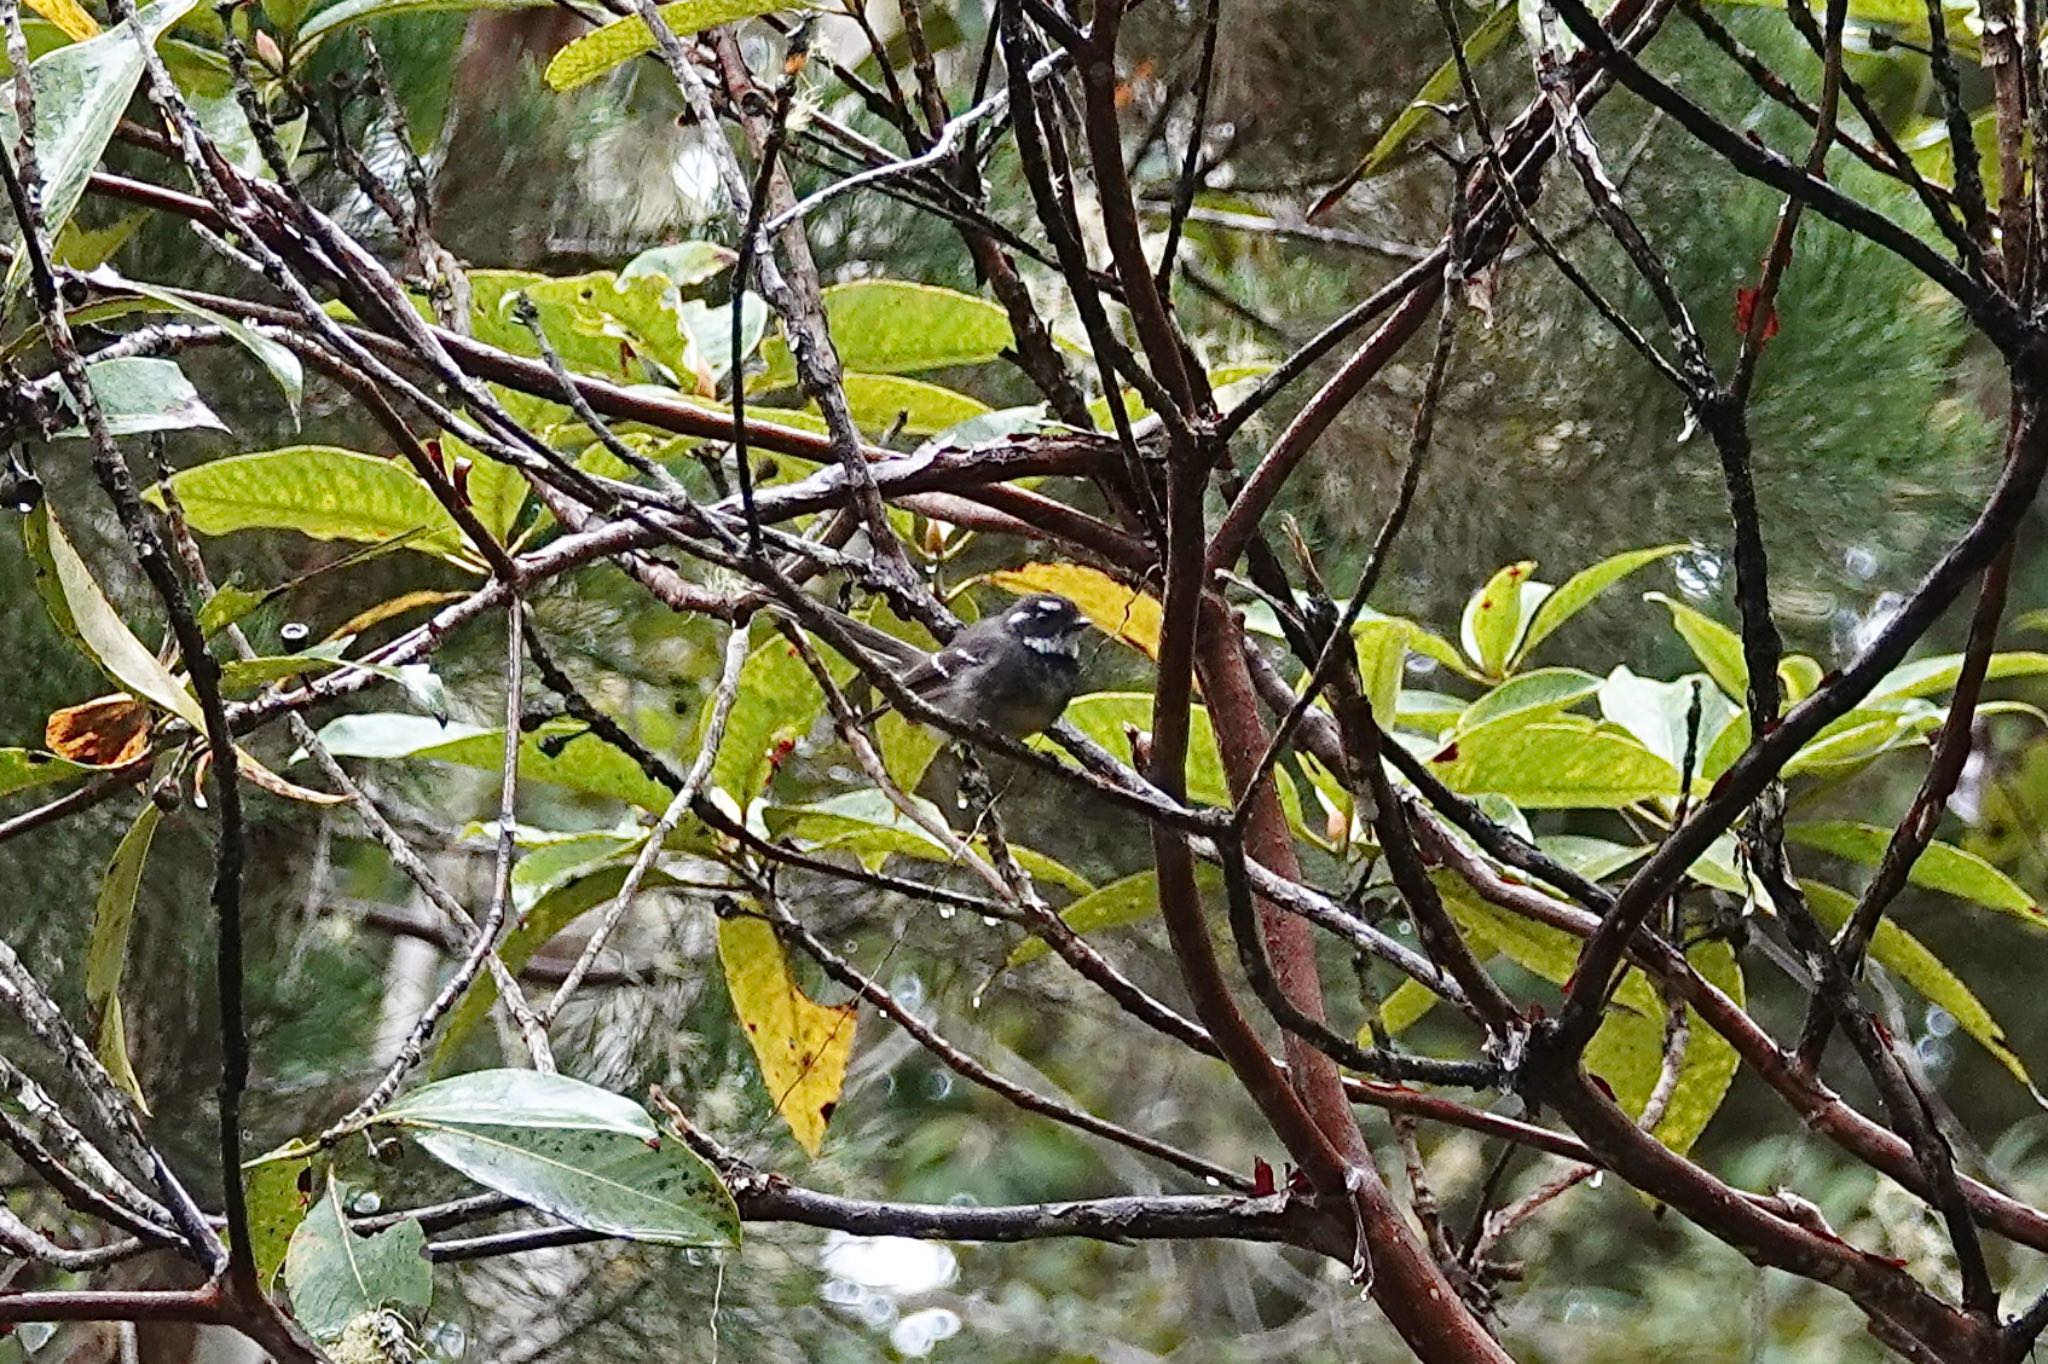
{"x": 107, "y": 731}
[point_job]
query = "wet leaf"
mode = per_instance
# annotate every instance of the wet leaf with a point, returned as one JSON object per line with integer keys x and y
{"x": 140, "y": 394}
{"x": 590, "y": 1157}
{"x": 1913, "y": 962}
{"x": 80, "y": 93}
{"x": 561, "y": 752}
{"x": 1718, "y": 648}
{"x": 802, "y": 1046}
{"x": 335, "y": 1276}
{"x": 880, "y": 401}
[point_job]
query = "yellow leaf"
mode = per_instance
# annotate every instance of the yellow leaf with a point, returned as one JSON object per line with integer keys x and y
{"x": 387, "y": 610}
{"x": 68, "y": 16}
{"x": 113, "y": 1054}
{"x": 802, "y": 1045}
{"x": 1133, "y": 617}
{"x": 598, "y": 51}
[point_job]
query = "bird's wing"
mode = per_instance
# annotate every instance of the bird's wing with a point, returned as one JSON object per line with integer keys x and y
{"x": 930, "y": 676}
{"x": 881, "y": 643}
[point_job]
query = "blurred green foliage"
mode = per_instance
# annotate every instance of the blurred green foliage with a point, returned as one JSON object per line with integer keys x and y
{"x": 1875, "y": 429}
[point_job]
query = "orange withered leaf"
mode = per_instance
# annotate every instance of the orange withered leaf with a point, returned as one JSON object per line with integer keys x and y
{"x": 106, "y": 731}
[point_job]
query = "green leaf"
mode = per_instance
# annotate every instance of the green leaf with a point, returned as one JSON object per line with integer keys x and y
{"x": 1908, "y": 958}
{"x": 522, "y": 1098}
{"x": 1403, "y": 1009}
{"x": 274, "y": 356}
{"x": 273, "y": 1192}
{"x": 590, "y": 1157}
{"x": 866, "y": 824}
{"x": 24, "y": 768}
{"x": 1627, "y": 1052}
{"x": 537, "y": 926}
{"x": 1432, "y": 712}
{"x": 114, "y": 914}
{"x": 88, "y": 248}
{"x": 222, "y": 120}
{"x": 549, "y": 860}
{"x": 1382, "y": 651}
{"x": 246, "y": 674}
{"x": 561, "y": 752}
{"x": 1561, "y": 764}
{"x": 1579, "y": 590}
{"x": 709, "y": 332}
{"x": 878, "y": 401}
{"x": 1434, "y": 647}
{"x": 1259, "y": 617}
{"x": 81, "y": 91}
{"x": 1133, "y": 899}
{"x": 599, "y": 322}
{"x": 228, "y": 605}
{"x": 598, "y": 51}
{"x": 778, "y": 702}
{"x": 112, "y": 1050}
{"x": 1442, "y": 87}
{"x": 891, "y": 326}
{"x": 1718, "y": 648}
{"x": 1859, "y": 737}
{"x": 1659, "y": 714}
{"x": 83, "y": 613}
{"x": 139, "y": 394}
{"x": 1943, "y": 866}
{"x": 1109, "y": 718}
{"x": 496, "y": 491}
{"x": 1596, "y": 859}
{"x": 684, "y": 264}
{"x": 322, "y": 491}
{"x": 1902, "y": 14}
{"x": 1801, "y": 674}
{"x": 335, "y": 1276}
{"x": 1530, "y": 695}
{"x": 1928, "y": 676}
{"x": 1495, "y": 614}
{"x": 907, "y": 748}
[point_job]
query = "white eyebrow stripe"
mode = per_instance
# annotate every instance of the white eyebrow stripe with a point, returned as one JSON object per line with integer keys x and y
{"x": 1018, "y": 617}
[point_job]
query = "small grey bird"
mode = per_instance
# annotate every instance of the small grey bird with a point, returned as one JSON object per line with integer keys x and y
{"x": 1014, "y": 672}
